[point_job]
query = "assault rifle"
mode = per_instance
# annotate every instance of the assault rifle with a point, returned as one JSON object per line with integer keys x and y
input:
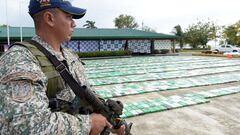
{"x": 109, "y": 109}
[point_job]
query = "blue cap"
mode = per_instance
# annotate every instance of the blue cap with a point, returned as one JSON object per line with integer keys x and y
{"x": 36, "y": 6}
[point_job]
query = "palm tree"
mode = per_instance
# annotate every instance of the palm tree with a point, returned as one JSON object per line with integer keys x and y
{"x": 177, "y": 30}
{"x": 90, "y": 25}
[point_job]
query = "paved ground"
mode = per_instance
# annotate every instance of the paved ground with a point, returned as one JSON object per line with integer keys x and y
{"x": 221, "y": 116}
{"x": 187, "y": 53}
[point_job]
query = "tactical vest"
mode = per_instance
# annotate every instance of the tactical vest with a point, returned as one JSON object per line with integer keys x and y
{"x": 55, "y": 81}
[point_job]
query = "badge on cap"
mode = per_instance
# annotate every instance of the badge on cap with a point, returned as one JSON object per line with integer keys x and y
{"x": 44, "y": 3}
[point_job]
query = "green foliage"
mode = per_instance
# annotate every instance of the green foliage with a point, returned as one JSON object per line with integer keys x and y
{"x": 193, "y": 50}
{"x": 161, "y": 51}
{"x": 125, "y": 21}
{"x": 148, "y": 29}
{"x": 177, "y": 30}
{"x": 164, "y": 51}
{"x": 103, "y": 54}
{"x": 156, "y": 51}
{"x": 207, "y": 52}
{"x": 232, "y": 33}
{"x": 3, "y": 25}
{"x": 90, "y": 25}
{"x": 1, "y": 53}
{"x": 200, "y": 33}
{"x": 196, "y": 49}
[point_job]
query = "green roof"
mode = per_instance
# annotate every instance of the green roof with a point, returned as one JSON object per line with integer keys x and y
{"x": 83, "y": 33}
{"x": 14, "y": 33}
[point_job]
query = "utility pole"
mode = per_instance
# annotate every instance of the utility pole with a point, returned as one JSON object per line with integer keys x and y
{"x": 8, "y": 37}
{"x": 20, "y": 13}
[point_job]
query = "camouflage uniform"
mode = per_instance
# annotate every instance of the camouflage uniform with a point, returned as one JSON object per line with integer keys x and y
{"x": 23, "y": 101}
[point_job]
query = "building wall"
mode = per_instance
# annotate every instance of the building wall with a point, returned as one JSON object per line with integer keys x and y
{"x": 89, "y": 46}
{"x": 112, "y": 45}
{"x": 83, "y": 45}
{"x": 162, "y": 44}
{"x": 74, "y": 45}
{"x": 139, "y": 46}
{"x": 95, "y": 45}
{"x": 134, "y": 46}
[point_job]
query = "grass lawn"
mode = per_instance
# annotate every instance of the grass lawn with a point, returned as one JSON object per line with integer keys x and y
{"x": 192, "y": 50}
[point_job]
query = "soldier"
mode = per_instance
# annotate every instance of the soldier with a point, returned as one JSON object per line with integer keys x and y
{"x": 26, "y": 77}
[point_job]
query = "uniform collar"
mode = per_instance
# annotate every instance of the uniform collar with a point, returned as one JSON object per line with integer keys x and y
{"x": 46, "y": 45}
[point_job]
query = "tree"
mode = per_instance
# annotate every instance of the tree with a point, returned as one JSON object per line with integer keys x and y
{"x": 125, "y": 21}
{"x": 232, "y": 33}
{"x": 90, "y": 25}
{"x": 200, "y": 33}
{"x": 3, "y": 25}
{"x": 177, "y": 30}
{"x": 148, "y": 29}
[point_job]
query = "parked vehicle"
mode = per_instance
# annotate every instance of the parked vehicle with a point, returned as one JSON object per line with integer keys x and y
{"x": 226, "y": 48}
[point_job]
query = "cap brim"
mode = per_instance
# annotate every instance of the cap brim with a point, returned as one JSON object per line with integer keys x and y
{"x": 75, "y": 11}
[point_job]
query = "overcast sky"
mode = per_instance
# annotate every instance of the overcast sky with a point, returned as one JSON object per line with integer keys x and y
{"x": 161, "y": 15}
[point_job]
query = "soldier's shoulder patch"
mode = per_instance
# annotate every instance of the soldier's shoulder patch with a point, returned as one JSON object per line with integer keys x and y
{"x": 21, "y": 90}
{"x": 19, "y": 76}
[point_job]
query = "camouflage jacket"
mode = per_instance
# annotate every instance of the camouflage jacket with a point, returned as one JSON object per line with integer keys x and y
{"x": 23, "y": 100}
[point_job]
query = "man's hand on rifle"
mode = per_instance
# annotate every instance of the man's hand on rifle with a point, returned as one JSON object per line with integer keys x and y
{"x": 120, "y": 131}
{"x": 99, "y": 122}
